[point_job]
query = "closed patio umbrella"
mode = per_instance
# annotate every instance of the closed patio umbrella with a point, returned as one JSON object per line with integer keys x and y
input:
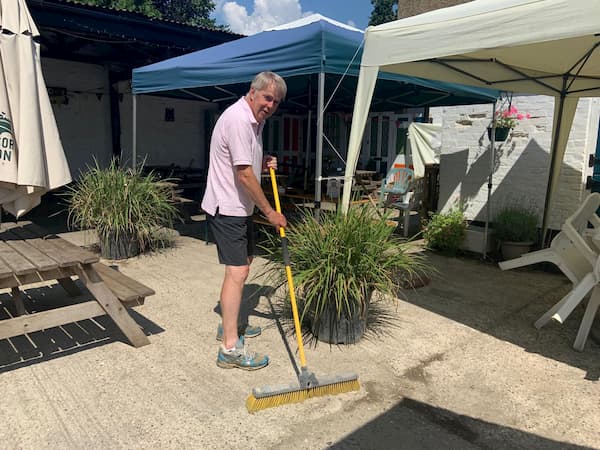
{"x": 32, "y": 159}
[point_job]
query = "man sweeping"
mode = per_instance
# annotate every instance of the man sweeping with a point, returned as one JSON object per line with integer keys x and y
{"x": 233, "y": 190}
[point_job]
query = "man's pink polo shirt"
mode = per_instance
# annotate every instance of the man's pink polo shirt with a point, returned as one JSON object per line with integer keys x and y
{"x": 236, "y": 141}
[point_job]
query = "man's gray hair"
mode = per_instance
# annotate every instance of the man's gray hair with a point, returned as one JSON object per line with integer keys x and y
{"x": 264, "y": 79}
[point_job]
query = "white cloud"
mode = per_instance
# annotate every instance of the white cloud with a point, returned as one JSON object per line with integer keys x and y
{"x": 266, "y": 14}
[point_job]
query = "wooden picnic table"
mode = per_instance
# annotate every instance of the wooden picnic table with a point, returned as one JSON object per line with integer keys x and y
{"x": 29, "y": 255}
{"x": 365, "y": 183}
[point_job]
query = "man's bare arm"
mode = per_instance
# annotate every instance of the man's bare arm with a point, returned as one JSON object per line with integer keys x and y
{"x": 246, "y": 177}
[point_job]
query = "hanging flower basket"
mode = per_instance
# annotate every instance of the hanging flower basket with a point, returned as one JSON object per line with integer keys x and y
{"x": 500, "y": 133}
{"x": 505, "y": 120}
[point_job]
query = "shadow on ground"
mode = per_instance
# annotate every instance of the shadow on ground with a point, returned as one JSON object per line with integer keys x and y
{"x": 50, "y": 214}
{"x": 39, "y": 346}
{"x": 250, "y": 300}
{"x": 466, "y": 290}
{"x": 505, "y": 305}
{"x": 412, "y": 424}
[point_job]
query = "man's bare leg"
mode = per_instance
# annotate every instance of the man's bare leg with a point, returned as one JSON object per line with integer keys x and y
{"x": 231, "y": 299}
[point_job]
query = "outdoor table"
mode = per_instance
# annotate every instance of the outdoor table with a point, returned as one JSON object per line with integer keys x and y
{"x": 364, "y": 181}
{"x": 29, "y": 255}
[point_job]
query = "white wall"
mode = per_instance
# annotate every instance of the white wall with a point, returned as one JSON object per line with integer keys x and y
{"x": 522, "y": 162}
{"x": 162, "y": 143}
{"x": 84, "y": 122}
{"x": 85, "y": 128}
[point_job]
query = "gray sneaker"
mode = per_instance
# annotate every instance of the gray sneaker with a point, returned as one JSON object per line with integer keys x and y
{"x": 248, "y": 331}
{"x": 241, "y": 358}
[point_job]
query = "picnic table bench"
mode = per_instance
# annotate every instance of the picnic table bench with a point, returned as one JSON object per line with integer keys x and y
{"x": 29, "y": 255}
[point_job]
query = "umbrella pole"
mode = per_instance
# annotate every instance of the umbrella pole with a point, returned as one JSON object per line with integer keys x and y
{"x": 488, "y": 209}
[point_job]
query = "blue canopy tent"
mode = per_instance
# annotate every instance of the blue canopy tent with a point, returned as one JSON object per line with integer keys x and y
{"x": 314, "y": 55}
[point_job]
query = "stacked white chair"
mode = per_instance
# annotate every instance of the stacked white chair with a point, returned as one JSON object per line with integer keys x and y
{"x": 575, "y": 251}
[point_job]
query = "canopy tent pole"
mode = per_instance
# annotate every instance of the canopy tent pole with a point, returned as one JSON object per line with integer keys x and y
{"x": 364, "y": 93}
{"x": 319, "y": 155}
{"x": 307, "y": 156}
{"x": 308, "y": 139}
{"x": 488, "y": 206}
{"x": 134, "y": 144}
{"x": 553, "y": 157}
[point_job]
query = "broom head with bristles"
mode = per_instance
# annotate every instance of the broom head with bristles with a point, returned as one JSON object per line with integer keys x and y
{"x": 272, "y": 396}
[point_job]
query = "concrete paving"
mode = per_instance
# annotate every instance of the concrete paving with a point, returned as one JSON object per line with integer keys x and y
{"x": 455, "y": 364}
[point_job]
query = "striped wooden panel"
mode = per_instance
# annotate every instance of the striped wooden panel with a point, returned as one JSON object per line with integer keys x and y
{"x": 39, "y": 259}
{"x": 124, "y": 287}
{"x": 13, "y": 259}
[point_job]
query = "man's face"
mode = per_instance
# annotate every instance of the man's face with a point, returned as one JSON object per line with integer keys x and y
{"x": 264, "y": 102}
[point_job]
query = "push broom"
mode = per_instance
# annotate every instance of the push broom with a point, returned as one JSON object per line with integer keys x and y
{"x": 308, "y": 385}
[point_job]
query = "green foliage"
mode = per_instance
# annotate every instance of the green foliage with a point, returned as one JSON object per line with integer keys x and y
{"x": 338, "y": 262}
{"x": 446, "y": 231}
{"x": 383, "y": 11}
{"x": 190, "y": 12}
{"x": 122, "y": 201}
{"x": 516, "y": 224}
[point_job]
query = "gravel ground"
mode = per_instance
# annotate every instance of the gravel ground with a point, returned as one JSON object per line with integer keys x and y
{"x": 454, "y": 364}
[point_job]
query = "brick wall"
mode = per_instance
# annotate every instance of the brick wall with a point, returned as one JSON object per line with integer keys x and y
{"x": 407, "y": 8}
{"x": 521, "y": 163}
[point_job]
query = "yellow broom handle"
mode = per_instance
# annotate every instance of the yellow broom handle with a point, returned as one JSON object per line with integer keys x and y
{"x": 288, "y": 272}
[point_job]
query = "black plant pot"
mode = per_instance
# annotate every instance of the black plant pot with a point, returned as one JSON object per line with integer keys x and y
{"x": 500, "y": 133}
{"x": 347, "y": 329}
{"x": 119, "y": 246}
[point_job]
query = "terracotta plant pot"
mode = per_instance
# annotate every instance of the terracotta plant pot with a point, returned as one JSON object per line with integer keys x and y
{"x": 512, "y": 250}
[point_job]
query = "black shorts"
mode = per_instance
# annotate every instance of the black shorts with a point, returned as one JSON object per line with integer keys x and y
{"x": 234, "y": 237}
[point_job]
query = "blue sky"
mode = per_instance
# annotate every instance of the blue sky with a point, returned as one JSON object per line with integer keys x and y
{"x": 253, "y": 16}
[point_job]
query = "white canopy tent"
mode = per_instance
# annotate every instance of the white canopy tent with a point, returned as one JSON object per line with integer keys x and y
{"x": 544, "y": 47}
{"x": 424, "y": 146}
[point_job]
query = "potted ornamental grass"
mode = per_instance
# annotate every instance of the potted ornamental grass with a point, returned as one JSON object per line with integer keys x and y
{"x": 129, "y": 211}
{"x": 516, "y": 227}
{"x": 338, "y": 262}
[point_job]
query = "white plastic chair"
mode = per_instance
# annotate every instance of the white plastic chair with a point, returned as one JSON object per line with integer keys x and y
{"x": 561, "y": 310}
{"x": 562, "y": 252}
{"x": 411, "y": 201}
{"x": 334, "y": 187}
{"x": 397, "y": 183}
{"x": 575, "y": 227}
{"x": 574, "y": 252}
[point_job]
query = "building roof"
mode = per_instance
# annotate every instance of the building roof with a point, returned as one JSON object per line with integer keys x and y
{"x": 113, "y": 37}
